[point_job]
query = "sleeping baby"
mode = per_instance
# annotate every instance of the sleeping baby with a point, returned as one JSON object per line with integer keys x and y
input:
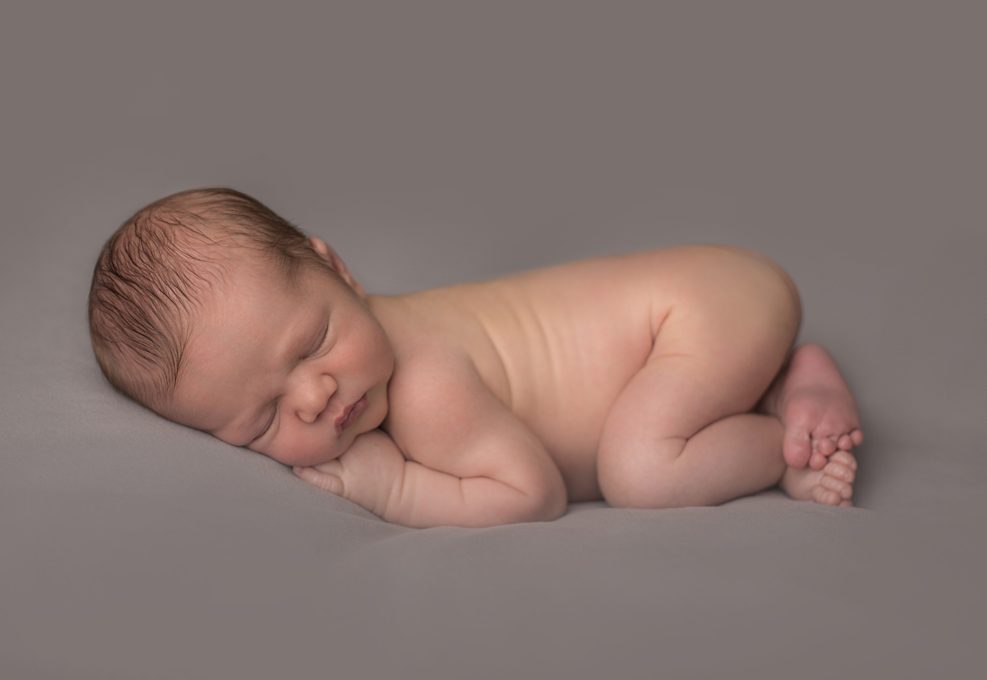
{"x": 659, "y": 379}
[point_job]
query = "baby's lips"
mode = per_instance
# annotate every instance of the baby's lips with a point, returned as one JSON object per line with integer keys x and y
{"x": 352, "y": 412}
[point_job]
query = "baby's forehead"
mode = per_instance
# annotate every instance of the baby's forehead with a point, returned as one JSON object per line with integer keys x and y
{"x": 242, "y": 264}
{"x": 245, "y": 317}
{"x": 251, "y": 281}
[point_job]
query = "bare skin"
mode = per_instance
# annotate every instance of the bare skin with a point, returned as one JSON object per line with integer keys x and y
{"x": 814, "y": 402}
{"x": 807, "y": 400}
{"x": 820, "y": 417}
{"x": 648, "y": 380}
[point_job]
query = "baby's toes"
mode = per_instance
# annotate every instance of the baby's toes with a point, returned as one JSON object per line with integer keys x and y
{"x": 844, "y": 489}
{"x": 820, "y": 494}
{"x": 839, "y": 472}
{"x": 818, "y": 461}
{"x": 852, "y": 438}
{"x": 845, "y": 458}
{"x": 823, "y": 445}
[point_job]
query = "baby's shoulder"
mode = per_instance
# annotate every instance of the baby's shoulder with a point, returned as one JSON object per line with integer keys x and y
{"x": 436, "y": 389}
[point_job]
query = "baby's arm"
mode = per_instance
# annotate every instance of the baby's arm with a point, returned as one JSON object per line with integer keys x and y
{"x": 374, "y": 473}
{"x": 472, "y": 463}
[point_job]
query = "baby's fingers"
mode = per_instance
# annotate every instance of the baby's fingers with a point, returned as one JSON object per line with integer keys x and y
{"x": 323, "y": 480}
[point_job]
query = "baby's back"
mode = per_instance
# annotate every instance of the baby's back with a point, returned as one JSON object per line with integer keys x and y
{"x": 557, "y": 344}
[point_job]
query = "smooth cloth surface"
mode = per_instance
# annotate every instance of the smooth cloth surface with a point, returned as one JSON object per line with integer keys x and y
{"x": 437, "y": 143}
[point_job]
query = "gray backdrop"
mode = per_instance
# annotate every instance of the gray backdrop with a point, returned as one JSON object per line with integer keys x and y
{"x": 433, "y": 143}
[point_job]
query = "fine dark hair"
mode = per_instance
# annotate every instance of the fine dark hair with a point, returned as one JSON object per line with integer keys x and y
{"x": 154, "y": 272}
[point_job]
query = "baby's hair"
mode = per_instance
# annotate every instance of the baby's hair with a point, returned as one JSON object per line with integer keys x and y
{"x": 154, "y": 271}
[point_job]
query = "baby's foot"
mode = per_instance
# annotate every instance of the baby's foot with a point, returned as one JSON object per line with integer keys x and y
{"x": 814, "y": 404}
{"x": 833, "y": 485}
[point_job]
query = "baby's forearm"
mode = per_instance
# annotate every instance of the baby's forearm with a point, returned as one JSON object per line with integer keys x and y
{"x": 427, "y": 498}
{"x": 374, "y": 473}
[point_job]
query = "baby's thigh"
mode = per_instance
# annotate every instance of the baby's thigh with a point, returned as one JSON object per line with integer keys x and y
{"x": 726, "y": 334}
{"x": 735, "y": 318}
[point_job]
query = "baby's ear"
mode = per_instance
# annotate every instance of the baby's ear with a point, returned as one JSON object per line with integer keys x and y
{"x": 322, "y": 248}
{"x": 327, "y": 253}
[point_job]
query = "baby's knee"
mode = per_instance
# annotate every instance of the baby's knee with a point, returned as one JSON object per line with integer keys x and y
{"x": 639, "y": 478}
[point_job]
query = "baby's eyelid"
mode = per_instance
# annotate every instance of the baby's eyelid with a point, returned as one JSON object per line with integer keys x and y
{"x": 274, "y": 411}
{"x": 323, "y": 344}
{"x": 270, "y": 424}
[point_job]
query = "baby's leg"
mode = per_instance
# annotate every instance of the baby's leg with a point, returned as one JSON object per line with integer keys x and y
{"x": 681, "y": 432}
{"x": 668, "y": 443}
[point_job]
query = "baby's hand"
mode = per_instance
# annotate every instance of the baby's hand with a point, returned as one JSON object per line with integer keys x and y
{"x": 369, "y": 473}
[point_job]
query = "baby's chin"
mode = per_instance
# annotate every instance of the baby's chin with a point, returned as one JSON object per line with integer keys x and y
{"x": 341, "y": 447}
{"x": 310, "y": 461}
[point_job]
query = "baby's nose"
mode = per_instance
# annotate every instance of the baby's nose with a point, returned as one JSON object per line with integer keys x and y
{"x": 314, "y": 397}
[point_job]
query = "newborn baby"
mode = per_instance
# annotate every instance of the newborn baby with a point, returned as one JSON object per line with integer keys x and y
{"x": 659, "y": 379}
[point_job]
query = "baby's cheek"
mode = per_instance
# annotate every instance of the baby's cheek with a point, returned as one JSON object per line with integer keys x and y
{"x": 293, "y": 459}
{"x": 293, "y": 456}
{"x": 285, "y": 457}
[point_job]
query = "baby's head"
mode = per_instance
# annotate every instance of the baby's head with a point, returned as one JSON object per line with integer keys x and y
{"x": 215, "y": 312}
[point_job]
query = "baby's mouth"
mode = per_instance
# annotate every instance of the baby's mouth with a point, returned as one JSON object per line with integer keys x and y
{"x": 353, "y": 411}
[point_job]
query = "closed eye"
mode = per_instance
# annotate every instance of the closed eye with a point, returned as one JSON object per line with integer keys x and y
{"x": 320, "y": 348}
{"x": 267, "y": 427}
